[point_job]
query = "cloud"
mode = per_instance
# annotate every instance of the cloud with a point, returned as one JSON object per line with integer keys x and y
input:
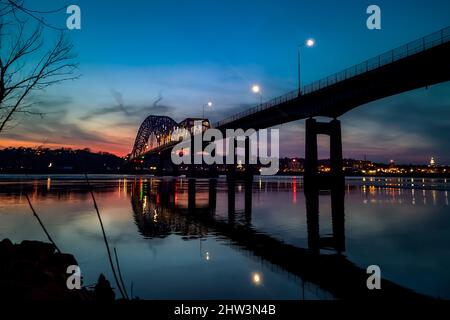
{"x": 127, "y": 110}
{"x": 52, "y": 102}
{"x": 409, "y": 127}
{"x": 184, "y": 88}
{"x": 55, "y": 128}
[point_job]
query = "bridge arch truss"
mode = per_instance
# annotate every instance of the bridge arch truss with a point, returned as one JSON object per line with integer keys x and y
{"x": 160, "y": 127}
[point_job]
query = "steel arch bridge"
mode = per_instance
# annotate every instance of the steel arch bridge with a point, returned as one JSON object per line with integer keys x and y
{"x": 158, "y": 128}
{"x": 420, "y": 63}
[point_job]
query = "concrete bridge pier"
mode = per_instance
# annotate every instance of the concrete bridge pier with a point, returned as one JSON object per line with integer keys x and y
{"x": 163, "y": 163}
{"x": 191, "y": 195}
{"x": 201, "y": 169}
{"x": 212, "y": 169}
{"x": 338, "y": 217}
{"x": 312, "y": 178}
{"x": 191, "y": 167}
{"x": 336, "y": 240}
{"x": 231, "y": 167}
{"x": 159, "y": 166}
{"x": 212, "y": 195}
{"x": 231, "y": 201}
{"x": 249, "y": 169}
{"x": 333, "y": 182}
{"x": 312, "y": 220}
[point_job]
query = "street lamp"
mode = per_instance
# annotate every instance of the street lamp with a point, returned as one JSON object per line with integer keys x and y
{"x": 209, "y": 104}
{"x": 308, "y": 43}
{"x": 256, "y": 89}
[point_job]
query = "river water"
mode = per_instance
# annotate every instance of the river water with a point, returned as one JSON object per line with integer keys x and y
{"x": 176, "y": 241}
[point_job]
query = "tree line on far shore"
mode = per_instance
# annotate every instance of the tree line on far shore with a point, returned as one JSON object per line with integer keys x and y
{"x": 43, "y": 160}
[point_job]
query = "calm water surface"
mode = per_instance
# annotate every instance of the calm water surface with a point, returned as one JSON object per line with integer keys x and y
{"x": 167, "y": 252}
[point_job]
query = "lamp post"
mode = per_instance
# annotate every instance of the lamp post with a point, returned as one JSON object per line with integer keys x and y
{"x": 209, "y": 104}
{"x": 256, "y": 89}
{"x": 309, "y": 43}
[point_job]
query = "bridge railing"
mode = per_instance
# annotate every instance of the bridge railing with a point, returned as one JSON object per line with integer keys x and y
{"x": 432, "y": 40}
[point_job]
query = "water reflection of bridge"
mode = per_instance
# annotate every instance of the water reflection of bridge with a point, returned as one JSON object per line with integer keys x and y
{"x": 175, "y": 206}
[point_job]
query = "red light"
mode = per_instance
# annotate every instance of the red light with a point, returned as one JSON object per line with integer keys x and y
{"x": 294, "y": 190}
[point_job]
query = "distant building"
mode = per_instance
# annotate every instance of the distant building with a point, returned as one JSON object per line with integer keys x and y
{"x": 392, "y": 164}
{"x": 294, "y": 165}
{"x": 432, "y": 162}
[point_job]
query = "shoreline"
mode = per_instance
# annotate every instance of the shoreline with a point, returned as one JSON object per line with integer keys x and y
{"x": 44, "y": 175}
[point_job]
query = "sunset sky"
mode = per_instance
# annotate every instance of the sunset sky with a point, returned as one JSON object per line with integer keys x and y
{"x": 170, "y": 57}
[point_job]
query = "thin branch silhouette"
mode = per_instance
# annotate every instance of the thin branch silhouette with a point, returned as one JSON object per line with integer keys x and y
{"x": 104, "y": 237}
{"x": 42, "y": 224}
{"x": 31, "y": 13}
{"x": 28, "y": 62}
{"x": 120, "y": 273}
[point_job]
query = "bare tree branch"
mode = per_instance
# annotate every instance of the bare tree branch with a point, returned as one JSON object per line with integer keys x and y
{"x": 27, "y": 63}
{"x": 20, "y": 7}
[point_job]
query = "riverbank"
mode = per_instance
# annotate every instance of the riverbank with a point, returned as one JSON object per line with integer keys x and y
{"x": 34, "y": 270}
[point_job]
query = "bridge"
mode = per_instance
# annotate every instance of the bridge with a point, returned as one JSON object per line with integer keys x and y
{"x": 420, "y": 63}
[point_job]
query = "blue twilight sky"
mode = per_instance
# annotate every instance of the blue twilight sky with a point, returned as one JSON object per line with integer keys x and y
{"x": 170, "y": 57}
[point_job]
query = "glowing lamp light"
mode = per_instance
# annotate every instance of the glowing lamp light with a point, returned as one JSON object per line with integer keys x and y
{"x": 256, "y": 89}
{"x": 256, "y": 278}
{"x": 310, "y": 42}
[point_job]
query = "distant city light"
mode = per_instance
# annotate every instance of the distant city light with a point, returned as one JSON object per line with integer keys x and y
{"x": 432, "y": 162}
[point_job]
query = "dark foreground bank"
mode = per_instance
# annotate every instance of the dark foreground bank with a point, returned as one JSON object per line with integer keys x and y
{"x": 34, "y": 270}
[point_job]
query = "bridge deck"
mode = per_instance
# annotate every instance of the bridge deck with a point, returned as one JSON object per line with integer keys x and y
{"x": 417, "y": 64}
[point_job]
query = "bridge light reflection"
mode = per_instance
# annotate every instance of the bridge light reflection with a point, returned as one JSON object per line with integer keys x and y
{"x": 256, "y": 278}
{"x": 144, "y": 204}
{"x": 294, "y": 190}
